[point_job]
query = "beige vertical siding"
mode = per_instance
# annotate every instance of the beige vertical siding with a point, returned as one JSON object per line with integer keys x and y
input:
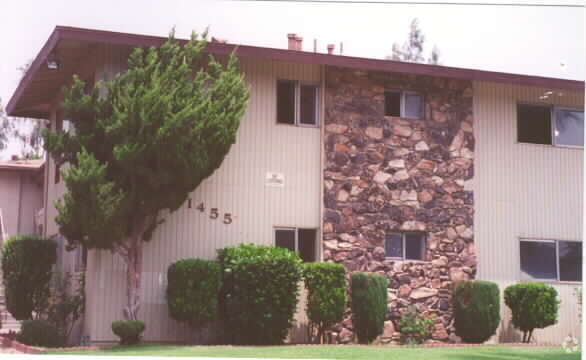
{"x": 20, "y": 199}
{"x": 237, "y": 187}
{"x": 523, "y": 190}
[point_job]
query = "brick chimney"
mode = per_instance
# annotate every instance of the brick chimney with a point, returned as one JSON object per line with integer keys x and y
{"x": 292, "y": 41}
{"x": 299, "y": 41}
{"x": 331, "y": 48}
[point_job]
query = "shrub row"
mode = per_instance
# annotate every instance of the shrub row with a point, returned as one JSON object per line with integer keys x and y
{"x": 477, "y": 308}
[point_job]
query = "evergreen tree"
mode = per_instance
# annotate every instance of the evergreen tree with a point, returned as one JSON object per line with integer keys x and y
{"x": 141, "y": 143}
{"x": 412, "y": 50}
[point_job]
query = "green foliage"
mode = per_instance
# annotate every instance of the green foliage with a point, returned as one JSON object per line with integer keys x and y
{"x": 129, "y": 331}
{"x": 40, "y": 333}
{"x": 415, "y": 327}
{"x": 67, "y": 305}
{"x": 27, "y": 263}
{"x": 369, "y": 305}
{"x": 476, "y": 310}
{"x": 193, "y": 290}
{"x": 326, "y": 295}
{"x": 259, "y": 294}
{"x": 141, "y": 143}
{"x": 534, "y": 306}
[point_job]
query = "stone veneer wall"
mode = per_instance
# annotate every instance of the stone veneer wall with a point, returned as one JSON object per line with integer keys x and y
{"x": 387, "y": 174}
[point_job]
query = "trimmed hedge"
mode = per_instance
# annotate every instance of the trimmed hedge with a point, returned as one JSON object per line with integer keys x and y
{"x": 259, "y": 293}
{"x": 476, "y": 310}
{"x": 369, "y": 305}
{"x": 193, "y": 289}
{"x": 40, "y": 333}
{"x": 326, "y": 295}
{"x": 129, "y": 331}
{"x": 534, "y": 306}
{"x": 27, "y": 263}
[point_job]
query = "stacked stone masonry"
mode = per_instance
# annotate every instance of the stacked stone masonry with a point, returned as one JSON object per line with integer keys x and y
{"x": 385, "y": 174}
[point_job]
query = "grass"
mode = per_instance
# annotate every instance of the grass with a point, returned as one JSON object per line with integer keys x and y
{"x": 343, "y": 352}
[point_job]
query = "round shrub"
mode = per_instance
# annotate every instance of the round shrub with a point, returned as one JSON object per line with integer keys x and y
{"x": 476, "y": 310}
{"x": 369, "y": 305}
{"x": 27, "y": 263}
{"x": 40, "y": 333}
{"x": 326, "y": 295}
{"x": 193, "y": 289}
{"x": 534, "y": 306}
{"x": 129, "y": 331}
{"x": 259, "y": 293}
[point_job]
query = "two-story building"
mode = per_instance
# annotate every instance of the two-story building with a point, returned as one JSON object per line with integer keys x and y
{"x": 425, "y": 173}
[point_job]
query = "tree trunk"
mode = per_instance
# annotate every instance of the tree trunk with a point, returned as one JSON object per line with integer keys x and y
{"x": 133, "y": 259}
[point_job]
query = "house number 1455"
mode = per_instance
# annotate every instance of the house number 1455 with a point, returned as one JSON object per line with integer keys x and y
{"x": 214, "y": 213}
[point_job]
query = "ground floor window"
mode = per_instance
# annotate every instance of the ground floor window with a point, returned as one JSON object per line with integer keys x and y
{"x": 551, "y": 260}
{"x": 405, "y": 245}
{"x": 302, "y": 241}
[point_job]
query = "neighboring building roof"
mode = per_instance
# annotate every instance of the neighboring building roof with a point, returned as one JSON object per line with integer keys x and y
{"x": 24, "y": 165}
{"x": 72, "y": 45}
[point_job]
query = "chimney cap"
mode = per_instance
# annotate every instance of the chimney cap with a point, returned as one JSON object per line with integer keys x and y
{"x": 291, "y": 36}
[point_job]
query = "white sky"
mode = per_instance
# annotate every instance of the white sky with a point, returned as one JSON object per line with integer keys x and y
{"x": 525, "y": 40}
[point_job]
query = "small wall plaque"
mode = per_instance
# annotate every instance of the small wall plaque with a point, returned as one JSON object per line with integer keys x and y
{"x": 274, "y": 179}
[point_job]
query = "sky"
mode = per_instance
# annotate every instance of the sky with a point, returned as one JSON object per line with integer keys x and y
{"x": 524, "y": 40}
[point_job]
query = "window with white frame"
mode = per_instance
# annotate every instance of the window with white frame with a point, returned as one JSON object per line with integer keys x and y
{"x": 297, "y": 103}
{"x": 302, "y": 241}
{"x": 550, "y": 125}
{"x": 405, "y": 104}
{"x": 551, "y": 260}
{"x": 405, "y": 245}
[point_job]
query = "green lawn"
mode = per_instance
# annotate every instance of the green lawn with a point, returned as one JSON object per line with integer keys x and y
{"x": 344, "y": 352}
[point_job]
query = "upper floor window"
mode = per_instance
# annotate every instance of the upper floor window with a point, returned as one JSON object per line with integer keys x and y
{"x": 550, "y": 125}
{"x": 407, "y": 245}
{"x": 297, "y": 103}
{"x": 302, "y": 241}
{"x": 405, "y": 104}
{"x": 551, "y": 260}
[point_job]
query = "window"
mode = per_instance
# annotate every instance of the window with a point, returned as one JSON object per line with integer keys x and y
{"x": 551, "y": 260}
{"x": 297, "y": 103}
{"x": 301, "y": 241}
{"x": 569, "y": 127}
{"x": 544, "y": 124}
{"x": 404, "y": 104}
{"x": 408, "y": 246}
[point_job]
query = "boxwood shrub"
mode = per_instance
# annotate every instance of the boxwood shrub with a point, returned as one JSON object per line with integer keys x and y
{"x": 27, "y": 263}
{"x": 476, "y": 310}
{"x": 326, "y": 295}
{"x": 129, "y": 331}
{"x": 259, "y": 293}
{"x": 369, "y": 305}
{"x": 40, "y": 333}
{"x": 193, "y": 287}
{"x": 534, "y": 306}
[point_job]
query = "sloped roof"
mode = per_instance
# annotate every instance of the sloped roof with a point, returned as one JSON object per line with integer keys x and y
{"x": 72, "y": 45}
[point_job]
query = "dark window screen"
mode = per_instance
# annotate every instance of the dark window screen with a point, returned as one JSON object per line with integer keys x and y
{"x": 538, "y": 260}
{"x": 570, "y": 253}
{"x": 308, "y": 99}
{"x": 534, "y": 124}
{"x": 306, "y": 238}
{"x": 286, "y": 102}
{"x": 394, "y": 245}
{"x": 392, "y": 103}
{"x": 285, "y": 238}
{"x": 414, "y": 246}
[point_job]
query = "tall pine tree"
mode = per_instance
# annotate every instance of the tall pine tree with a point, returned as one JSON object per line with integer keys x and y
{"x": 413, "y": 49}
{"x": 142, "y": 146}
